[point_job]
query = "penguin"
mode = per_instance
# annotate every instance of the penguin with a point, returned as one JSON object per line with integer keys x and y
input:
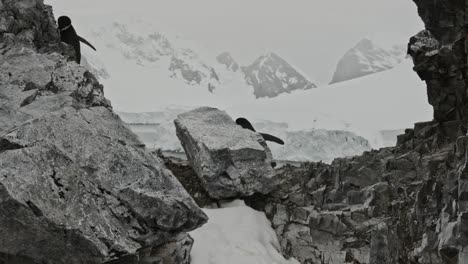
{"x": 244, "y": 123}
{"x": 69, "y": 36}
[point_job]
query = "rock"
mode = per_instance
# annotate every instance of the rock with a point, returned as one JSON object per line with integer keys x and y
{"x": 384, "y": 246}
{"x": 393, "y": 205}
{"x": 227, "y": 60}
{"x": 230, "y": 161}
{"x": 188, "y": 178}
{"x": 176, "y": 251}
{"x": 76, "y": 186}
{"x": 193, "y": 73}
{"x": 440, "y": 57}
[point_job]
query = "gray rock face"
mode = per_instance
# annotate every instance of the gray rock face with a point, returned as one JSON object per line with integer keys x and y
{"x": 229, "y": 160}
{"x": 227, "y": 60}
{"x": 181, "y": 67}
{"x": 396, "y": 205}
{"x": 270, "y": 76}
{"x": 176, "y": 251}
{"x": 367, "y": 58}
{"x": 76, "y": 186}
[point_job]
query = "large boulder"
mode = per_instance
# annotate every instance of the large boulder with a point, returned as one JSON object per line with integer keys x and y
{"x": 76, "y": 185}
{"x": 229, "y": 160}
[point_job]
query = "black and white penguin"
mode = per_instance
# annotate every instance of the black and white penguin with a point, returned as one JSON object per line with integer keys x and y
{"x": 69, "y": 36}
{"x": 244, "y": 123}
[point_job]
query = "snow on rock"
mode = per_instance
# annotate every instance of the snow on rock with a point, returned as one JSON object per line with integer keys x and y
{"x": 423, "y": 41}
{"x": 236, "y": 234}
{"x": 140, "y": 44}
{"x": 229, "y": 160}
{"x": 227, "y": 60}
{"x": 367, "y": 58}
{"x": 270, "y": 75}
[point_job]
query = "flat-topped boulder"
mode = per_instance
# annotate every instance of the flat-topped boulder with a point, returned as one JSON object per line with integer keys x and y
{"x": 229, "y": 160}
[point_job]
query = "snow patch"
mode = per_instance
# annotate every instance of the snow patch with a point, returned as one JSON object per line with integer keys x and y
{"x": 236, "y": 234}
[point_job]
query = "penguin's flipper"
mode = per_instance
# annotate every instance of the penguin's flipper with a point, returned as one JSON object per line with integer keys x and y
{"x": 244, "y": 123}
{"x": 86, "y": 42}
{"x": 271, "y": 138}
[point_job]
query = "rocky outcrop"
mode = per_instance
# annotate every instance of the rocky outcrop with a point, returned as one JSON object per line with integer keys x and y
{"x": 76, "y": 186}
{"x": 270, "y": 75}
{"x": 230, "y": 161}
{"x": 38, "y": 31}
{"x": 395, "y": 205}
{"x": 440, "y": 57}
{"x": 182, "y": 67}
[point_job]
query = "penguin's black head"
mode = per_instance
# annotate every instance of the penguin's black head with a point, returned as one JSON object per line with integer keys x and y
{"x": 64, "y": 22}
{"x": 244, "y": 123}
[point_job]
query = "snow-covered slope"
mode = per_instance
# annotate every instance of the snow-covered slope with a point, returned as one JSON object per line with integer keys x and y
{"x": 270, "y": 76}
{"x": 383, "y": 101}
{"x": 367, "y": 57}
{"x": 236, "y": 234}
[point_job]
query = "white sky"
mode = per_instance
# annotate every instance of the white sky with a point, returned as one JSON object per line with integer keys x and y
{"x": 311, "y": 34}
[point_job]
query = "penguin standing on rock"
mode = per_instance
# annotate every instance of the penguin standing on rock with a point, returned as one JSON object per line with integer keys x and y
{"x": 69, "y": 36}
{"x": 244, "y": 123}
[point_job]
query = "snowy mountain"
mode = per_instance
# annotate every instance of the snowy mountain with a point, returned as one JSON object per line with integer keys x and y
{"x": 270, "y": 76}
{"x": 170, "y": 65}
{"x": 227, "y": 60}
{"x": 366, "y": 58}
{"x": 138, "y": 43}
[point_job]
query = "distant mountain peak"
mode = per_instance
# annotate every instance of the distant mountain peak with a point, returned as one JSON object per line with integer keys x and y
{"x": 227, "y": 60}
{"x": 168, "y": 60}
{"x": 365, "y": 43}
{"x": 270, "y": 75}
{"x": 367, "y": 57}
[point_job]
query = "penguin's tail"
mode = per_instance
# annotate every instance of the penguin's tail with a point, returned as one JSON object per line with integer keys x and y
{"x": 271, "y": 138}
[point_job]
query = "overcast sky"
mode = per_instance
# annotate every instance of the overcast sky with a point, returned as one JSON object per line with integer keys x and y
{"x": 311, "y": 34}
